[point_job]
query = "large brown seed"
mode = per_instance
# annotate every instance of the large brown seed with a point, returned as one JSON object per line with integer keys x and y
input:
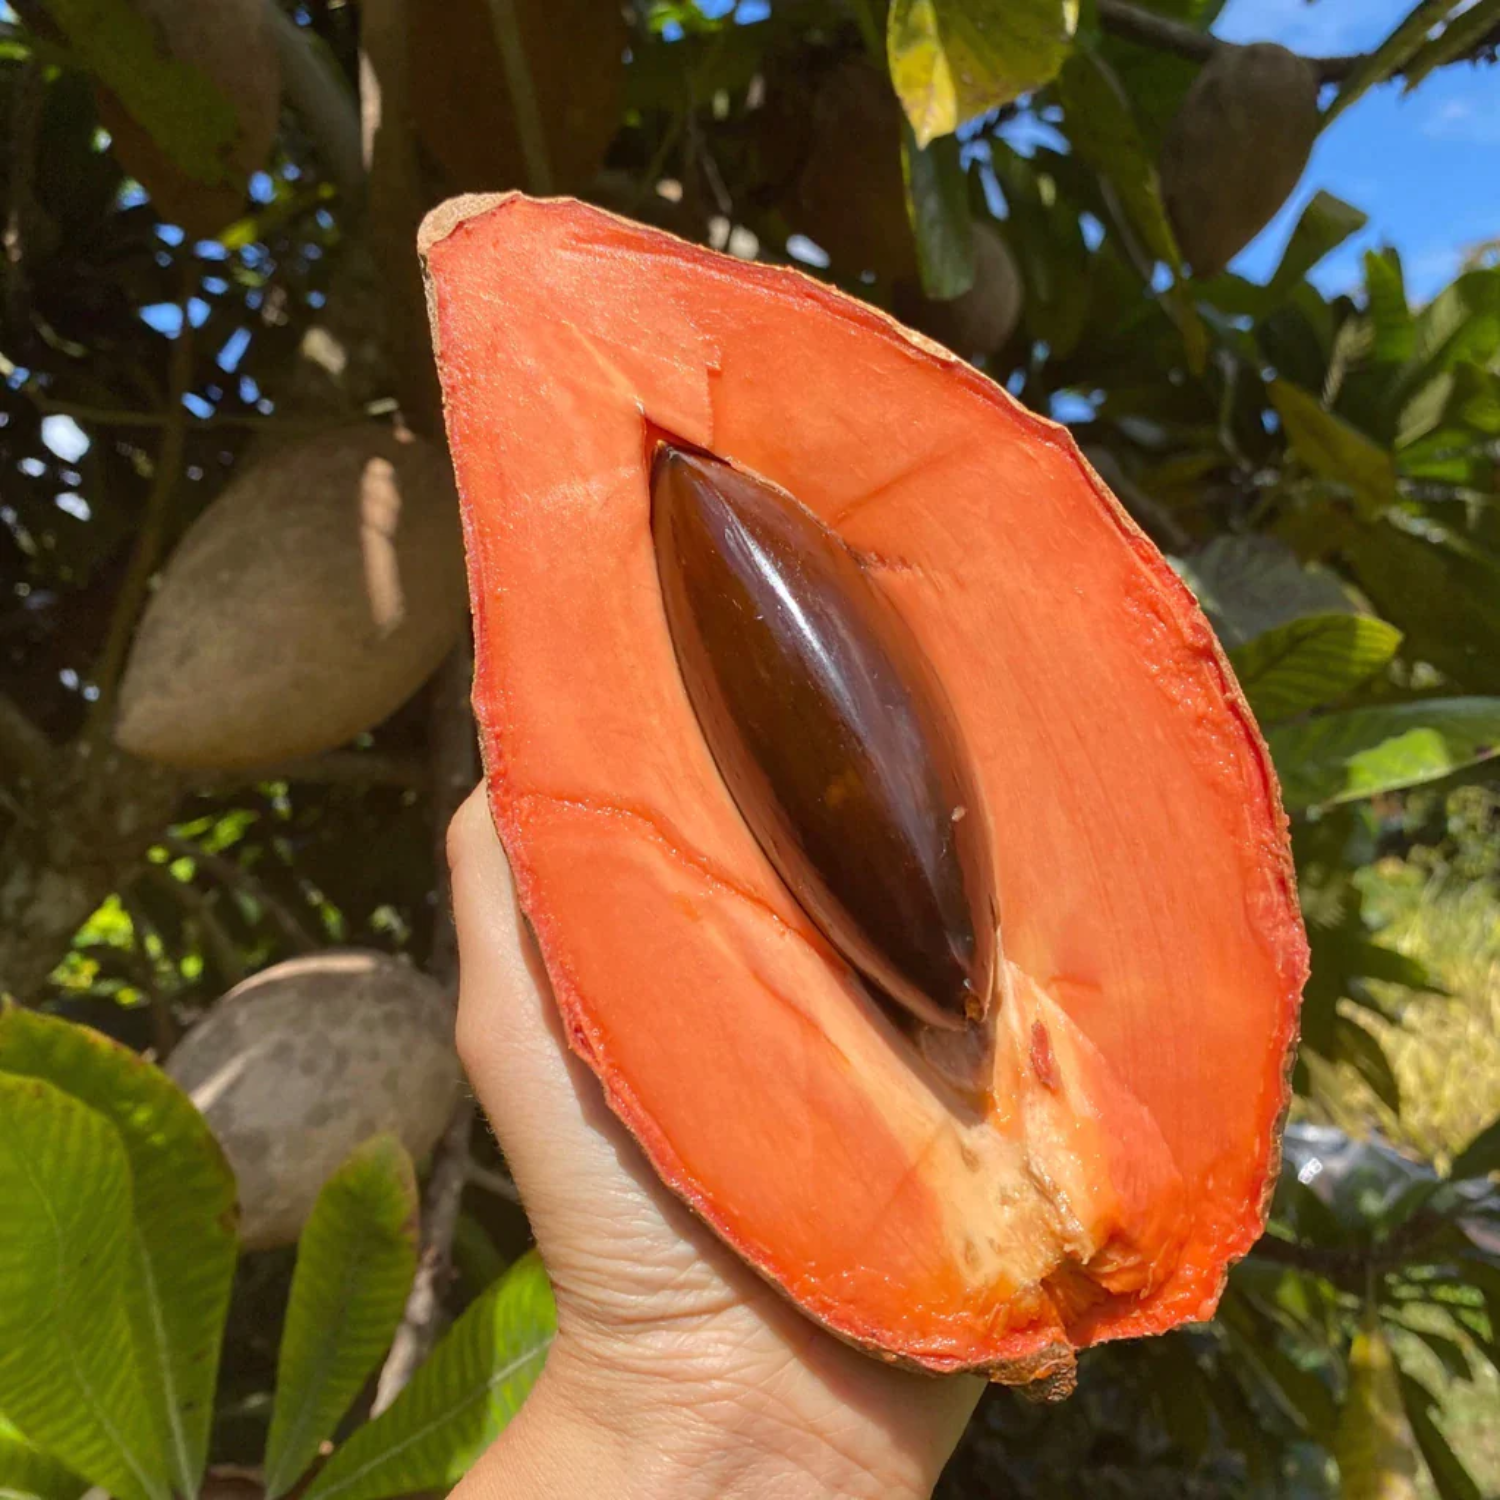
{"x": 831, "y": 731}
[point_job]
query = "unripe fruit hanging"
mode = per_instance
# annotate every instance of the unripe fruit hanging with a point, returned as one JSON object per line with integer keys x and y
{"x": 307, "y": 603}
{"x": 1236, "y": 149}
{"x": 300, "y": 1063}
{"x": 841, "y": 164}
{"x": 980, "y": 321}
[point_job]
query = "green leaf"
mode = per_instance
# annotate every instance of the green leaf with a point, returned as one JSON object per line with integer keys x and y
{"x": 1482, "y": 1155}
{"x": 1325, "y": 224}
{"x": 1461, "y": 34}
{"x": 1376, "y": 1455}
{"x": 179, "y": 106}
{"x": 937, "y": 202}
{"x": 355, "y": 1263}
{"x": 1248, "y": 585}
{"x": 1440, "y": 587}
{"x": 1385, "y": 285}
{"x": 953, "y": 59}
{"x": 1103, "y": 132}
{"x": 1342, "y": 757}
{"x": 1335, "y": 451}
{"x": 475, "y": 1253}
{"x": 1391, "y": 55}
{"x": 1449, "y": 1477}
{"x": 183, "y": 1229}
{"x": 458, "y": 1402}
{"x": 1462, "y": 323}
{"x": 68, "y": 1272}
{"x": 1357, "y": 1047}
{"x": 26, "y": 1473}
{"x": 1299, "y": 1393}
{"x": 1312, "y": 661}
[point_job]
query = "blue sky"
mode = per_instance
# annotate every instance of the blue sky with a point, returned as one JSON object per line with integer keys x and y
{"x": 1424, "y": 166}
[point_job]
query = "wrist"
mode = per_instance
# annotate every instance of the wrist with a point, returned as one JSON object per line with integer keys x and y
{"x": 600, "y": 1427}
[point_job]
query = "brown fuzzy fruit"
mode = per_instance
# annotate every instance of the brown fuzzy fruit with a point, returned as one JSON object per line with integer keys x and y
{"x": 232, "y": 43}
{"x": 847, "y": 192}
{"x": 461, "y": 105}
{"x": 981, "y": 321}
{"x": 296, "y": 1066}
{"x": 306, "y": 604}
{"x": 1236, "y": 149}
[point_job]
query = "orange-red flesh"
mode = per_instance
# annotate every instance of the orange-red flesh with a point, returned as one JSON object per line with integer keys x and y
{"x": 1123, "y": 1152}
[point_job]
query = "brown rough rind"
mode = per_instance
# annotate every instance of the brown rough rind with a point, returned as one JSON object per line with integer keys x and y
{"x": 299, "y": 1064}
{"x": 306, "y": 604}
{"x": 1236, "y": 149}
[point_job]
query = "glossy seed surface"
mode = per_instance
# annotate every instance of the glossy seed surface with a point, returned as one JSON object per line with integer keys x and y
{"x": 832, "y": 732}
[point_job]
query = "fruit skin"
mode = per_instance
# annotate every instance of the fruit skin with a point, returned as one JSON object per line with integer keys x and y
{"x": 1236, "y": 149}
{"x": 980, "y": 321}
{"x": 306, "y": 604}
{"x": 298, "y": 1064}
{"x": 460, "y": 102}
{"x": 230, "y": 41}
{"x": 1130, "y": 1142}
{"x": 840, "y": 166}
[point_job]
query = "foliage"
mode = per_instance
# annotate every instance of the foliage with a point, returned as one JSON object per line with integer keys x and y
{"x": 1321, "y": 466}
{"x": 92, "y": 1133}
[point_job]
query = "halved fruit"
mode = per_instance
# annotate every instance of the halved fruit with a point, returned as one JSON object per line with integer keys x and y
{"x": 1085, "y": 1161}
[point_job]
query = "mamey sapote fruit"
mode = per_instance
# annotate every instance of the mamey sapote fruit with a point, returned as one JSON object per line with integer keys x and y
{"x": 307, "y": 603}
{"x": 980, "y": 321}
{"x": 297, "y": 1065}
{"x": 461, "y": 105}
{"x": 1236, "y": 148}
{"x": 1083, "y": 1158}
{"x": 231, "y": 44}
{"x": 836, "y": 166}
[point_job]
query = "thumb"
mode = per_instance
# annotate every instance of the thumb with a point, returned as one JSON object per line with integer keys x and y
{"x": 543, "y": 1104}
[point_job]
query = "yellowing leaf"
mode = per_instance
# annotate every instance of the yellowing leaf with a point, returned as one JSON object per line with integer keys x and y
{"x": 1334, "y": 450}
{"x": 1312, "y": 661}
{"x": 953, "y": 59}
{"x": 1377, "y": 1458}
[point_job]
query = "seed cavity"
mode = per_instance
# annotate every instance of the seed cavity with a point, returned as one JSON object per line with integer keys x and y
{"x": 832, "y": 732}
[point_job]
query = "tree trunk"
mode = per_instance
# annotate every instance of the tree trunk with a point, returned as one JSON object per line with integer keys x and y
{"x": 85, "y": 828}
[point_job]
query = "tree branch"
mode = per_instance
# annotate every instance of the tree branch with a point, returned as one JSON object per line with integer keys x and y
{"x": 336, "y": 768}
{"x": 231, "y": 873}
{"x": 396, "y": 204}
{"x": 315, "y": 88}
{"x": 1347, "y": 1268}
{"x": 494, "y": 1182}
{"x": 454, "y": 772}
{"x": 523, "y": 101}
{"x": 164, "y": 481}
{"x": 1132, "y": 24}
{"x": 290, "y": 424}
{"x": 24, "y": 750}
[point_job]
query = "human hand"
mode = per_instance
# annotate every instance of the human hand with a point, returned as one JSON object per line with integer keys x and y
{"x": 677, "y": 1372}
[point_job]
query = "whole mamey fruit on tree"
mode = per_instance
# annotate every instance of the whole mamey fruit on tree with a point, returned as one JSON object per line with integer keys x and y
{"x": 903, "y": 856}
{"x": 1236, "y": 149}
{"x": 461, "y": 106}
{"x": 843, "y": 154}
{"x": 300, "y": 1063}
{"x": 980, "y": 321}
{"x": 307, "y": 603}
{"x": 231, "y": 43}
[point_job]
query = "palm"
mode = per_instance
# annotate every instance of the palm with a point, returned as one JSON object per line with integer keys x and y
{"x": 641, "y": 1285}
